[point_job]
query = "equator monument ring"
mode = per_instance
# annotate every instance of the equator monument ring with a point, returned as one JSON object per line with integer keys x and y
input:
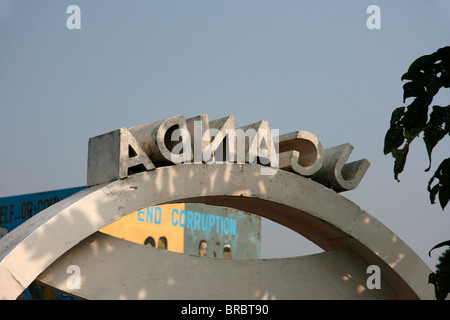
{"x": 288, "y": 178}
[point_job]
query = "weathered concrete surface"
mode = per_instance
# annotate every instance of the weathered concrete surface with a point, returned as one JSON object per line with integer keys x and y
{"x": 300, "y": 152}
{"x": 318, "y": 213}
{"x": 113, "y": 268}
{"x": 155, "y": 139}
{"x": 258, "y": 145}
{"x": 222, "y": 127}
{"x": 36, "y": 243}
{"x": 198, "y": 127}
{"x": 123, "y": 152}
{"x": 338, "y": 175}
{"x": 111, "y": 155}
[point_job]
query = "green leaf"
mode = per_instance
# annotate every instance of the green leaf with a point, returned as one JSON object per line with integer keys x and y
{"x": 415, "y": 118}
{"x": 394, "y": 136}
{"x": 400, "y": 160}
{"x": 396, "y": 115}
{"x": 445, "y": 243}
{"x": 433, "y": 86}
{"x": 417, "y": 76}
{"x": 444, "y": 193}
{"x": 412, "y": 89}
{"x": 394, "y": 139}
{"x": 417, "y": 69}
{"x": 442, "y": 186}
{"x": 441, "y": 278}
{"x": 441, "y": 282}
{"x": 438, "y": 126}
{"x": 426, "y": 75}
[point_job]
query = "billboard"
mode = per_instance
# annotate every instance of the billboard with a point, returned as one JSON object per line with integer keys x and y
{"x": 193, "y": 228}
{"x": 190, "y": 228}
{"x": 15, "y": 210}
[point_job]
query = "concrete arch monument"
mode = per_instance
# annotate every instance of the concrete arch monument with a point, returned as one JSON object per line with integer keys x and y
{"x": 124, "y": 177}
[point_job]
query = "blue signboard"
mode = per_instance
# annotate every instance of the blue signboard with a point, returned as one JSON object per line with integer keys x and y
{"x": 16, "y": 210}
{"x": 204, "y": 230}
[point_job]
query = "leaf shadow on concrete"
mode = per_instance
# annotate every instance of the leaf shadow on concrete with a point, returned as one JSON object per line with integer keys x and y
{"x": 111, "y": 268}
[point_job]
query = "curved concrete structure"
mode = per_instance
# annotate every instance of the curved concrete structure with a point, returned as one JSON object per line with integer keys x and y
{"x": 113, "y": 268}
{"x": 318, "y": 213}
{"x": 300, "y": 152}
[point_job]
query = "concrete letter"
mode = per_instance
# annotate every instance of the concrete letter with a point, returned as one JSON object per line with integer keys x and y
{"x": 155, "y": 139}
{"x": 221, "y": 142}
{"x": 300, "y": 152}
{"x": 259, "y": 148}
{"x": 199, "y": 133}
{"x": 338, "y": 175}
{"x": 113, "y": 156}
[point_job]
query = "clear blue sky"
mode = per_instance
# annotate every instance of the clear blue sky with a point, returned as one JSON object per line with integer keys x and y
{"x": 301, "y": 65}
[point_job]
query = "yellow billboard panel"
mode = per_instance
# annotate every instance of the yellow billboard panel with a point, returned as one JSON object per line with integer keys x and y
{"x": 192, "y": 228}
{"x": 150, "y": 226}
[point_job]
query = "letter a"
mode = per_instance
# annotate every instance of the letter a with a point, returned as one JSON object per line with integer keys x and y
{"x": 373, "y": 281}
{"x": 374, "y": 21}
{"x": 74, "y": 21}
{"x": 73, "y": 281}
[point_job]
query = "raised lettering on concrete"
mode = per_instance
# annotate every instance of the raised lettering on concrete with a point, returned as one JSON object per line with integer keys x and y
{"x": 222, "y": 146}
{"x": 257, "y": 143}
{"x": 158, "y": 141}
{"x": 198, "y": 127}
{"x": 198, "y": 140}
{"x": 336, "y": 173}
{"x": 113, "y": 156}
{"x": 300, "y": 152}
